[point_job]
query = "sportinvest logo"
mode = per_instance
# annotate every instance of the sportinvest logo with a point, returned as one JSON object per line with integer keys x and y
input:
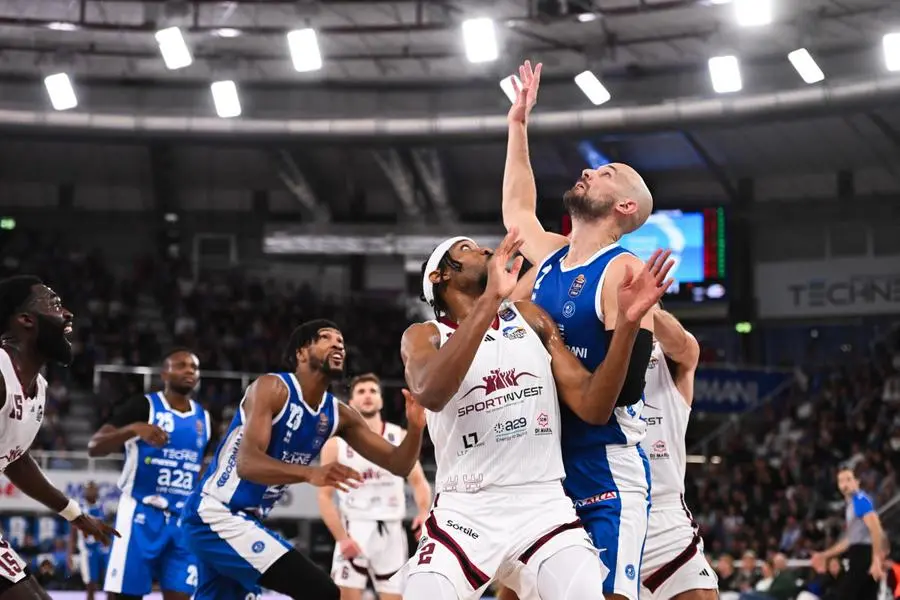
{"x": 496, "y": 381}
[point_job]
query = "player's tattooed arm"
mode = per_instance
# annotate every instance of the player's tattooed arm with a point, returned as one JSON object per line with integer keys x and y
{"x": 519, "y": 188}
{"x": 591, "y": 396}
{"x": 399, "y": 460}
{"x": 266, "y": 398}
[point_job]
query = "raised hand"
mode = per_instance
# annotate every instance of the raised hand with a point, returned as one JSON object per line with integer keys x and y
{"x": 526, "y": 96}
{"x": 95, "y": 528}
{"x": 415, "y": 414}
{"x": 638, "y": 294}
{"x": 502, "y": 280}
{"x": 335, "y": 475}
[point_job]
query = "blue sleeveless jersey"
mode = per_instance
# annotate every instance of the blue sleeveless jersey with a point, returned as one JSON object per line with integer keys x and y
{"x": 164, "y": 477}
{"x": 298, "y": 433}
{"x": 571, "y": 295}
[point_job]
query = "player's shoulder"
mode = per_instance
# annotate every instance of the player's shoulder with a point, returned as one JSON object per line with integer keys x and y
{"x": 426, "y": 332}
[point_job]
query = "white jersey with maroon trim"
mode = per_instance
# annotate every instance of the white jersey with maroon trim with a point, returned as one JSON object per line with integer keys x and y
{"x": 667, "y": 414}
{"x": 382, "y": 495}
{"x": 20, "y": 416}
{"x": 502, "y": 426}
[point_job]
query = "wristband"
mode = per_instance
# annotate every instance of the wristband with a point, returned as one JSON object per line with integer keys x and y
{"x": 71, "y": 512}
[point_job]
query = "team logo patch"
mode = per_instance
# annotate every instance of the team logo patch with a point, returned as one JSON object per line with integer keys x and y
{"x": 514, "y": 332}
{"x": 258, "y": 547}
{"x": 507, "y": 314}
{"x": 322, "y": 427}
{"x": 576, "y": 287}
{"x": 568, "y": 309}
{"x": 543, "y": 424}
{"x": 629, "y": 572}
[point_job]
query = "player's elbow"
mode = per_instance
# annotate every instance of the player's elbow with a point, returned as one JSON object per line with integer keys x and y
{"x": 95, "y": 449}
{"x": 246, "y": 465}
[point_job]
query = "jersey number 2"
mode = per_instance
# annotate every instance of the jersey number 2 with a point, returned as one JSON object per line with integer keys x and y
{"x": 425, "y": 553}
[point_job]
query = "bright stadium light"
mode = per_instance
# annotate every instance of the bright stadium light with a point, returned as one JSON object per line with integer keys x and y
{"x": 806, "y": 66}
{"x": 304, "y": 47}
{"x": 725, "y": 73}
{"x": 592, "y": 88}
{"x": 225, "y": 97}
{"x": 506, "y": 84}
{"x": 59, "y": 88}
{"x": 891, "y": 43}
{"x": 753, "y": 13}
{"x": 174, "y": 50}
{"x": 480, "y": 40}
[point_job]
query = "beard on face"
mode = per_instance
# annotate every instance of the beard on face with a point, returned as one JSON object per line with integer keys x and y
{"x": 181, "y": 388}
{"x": 582, "y": 208}
{"x": 368, "y": 414}
{"x": 324, "y": 365}
{"x": 51, "y": 340}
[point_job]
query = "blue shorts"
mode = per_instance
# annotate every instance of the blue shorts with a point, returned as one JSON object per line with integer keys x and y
{"x": 233, "y": 549}
{"x": 93, "y": 563}
{"x": 617, "y": 520}
{"x": 151, "y": 549}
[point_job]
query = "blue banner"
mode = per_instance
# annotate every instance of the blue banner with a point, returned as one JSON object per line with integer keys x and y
{"x": 730, "y": 390}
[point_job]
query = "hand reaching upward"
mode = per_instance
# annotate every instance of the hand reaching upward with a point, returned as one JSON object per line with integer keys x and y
{"x": 526, "y": 96}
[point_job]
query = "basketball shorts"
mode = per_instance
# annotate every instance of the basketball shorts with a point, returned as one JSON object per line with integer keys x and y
{"x": 384, "y": 551}
{"x": 12, "y": 568}
{"x": 674, "y": 561}
{"x": 616, "y": 515}
{"x": 151, "y": 548}
{"x": 233, "y": 549}
{"x": 501, "y": 534}
{"x": 92, "y": 564}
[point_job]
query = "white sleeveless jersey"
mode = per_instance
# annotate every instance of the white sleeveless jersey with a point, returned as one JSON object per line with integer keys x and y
{"x": 20, "y": 416}
{"x": 502, "y": 426}
{"x": 382, "y": 496}
{"x": 667, "y": 416}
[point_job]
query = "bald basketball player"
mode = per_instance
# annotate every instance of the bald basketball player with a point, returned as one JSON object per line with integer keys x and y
{"x": 607, "y": 472}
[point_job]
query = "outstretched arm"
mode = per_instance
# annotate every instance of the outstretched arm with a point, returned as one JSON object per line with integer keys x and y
{"x": 519, "y": 189}
{"x": 399, "y": 460}
{"x": 327, "y": 506}
{"x": 264, "y": 399}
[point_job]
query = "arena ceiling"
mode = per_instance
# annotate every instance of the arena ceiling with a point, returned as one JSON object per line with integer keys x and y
{"x": 405, "y": 61}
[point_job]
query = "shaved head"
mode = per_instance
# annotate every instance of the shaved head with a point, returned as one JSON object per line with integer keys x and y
{"x": 614, "y": 191}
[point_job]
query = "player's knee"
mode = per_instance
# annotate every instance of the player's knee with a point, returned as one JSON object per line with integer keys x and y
{"x": 429, "y": 586}
{"x": 574, "y": 573}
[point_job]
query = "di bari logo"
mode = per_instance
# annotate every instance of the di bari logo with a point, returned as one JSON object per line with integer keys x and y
{"x": 498, "y": 380}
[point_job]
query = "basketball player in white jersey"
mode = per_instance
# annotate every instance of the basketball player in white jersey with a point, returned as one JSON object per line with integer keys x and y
{"x": 34, "y": 330}
{"x": 368, "y": 528}
{"x": 488, "y": 373}
{"x": 674, "y": 565}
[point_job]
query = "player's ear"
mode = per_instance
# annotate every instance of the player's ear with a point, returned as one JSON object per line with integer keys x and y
{"x": 627, "y": 206}
{"x": 26, "y": 320}
{"x": 436, "y": 276}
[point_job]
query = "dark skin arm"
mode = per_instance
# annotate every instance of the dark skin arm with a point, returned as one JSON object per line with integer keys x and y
{"x": 110, "y": 438}
{"x": 591, "y": 396}
{"x": 265, "y": 399}
{"x": 26, "y": 475}
{"x": 434, "y": 375}
{"x": 399, "y": 460}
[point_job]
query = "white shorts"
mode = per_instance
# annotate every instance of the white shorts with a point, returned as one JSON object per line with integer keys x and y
{"x": 12, "y": 567}
{"x": 673, "y": 555}
{"x": 384, "y": 551}
{"x": 499, "y": 534}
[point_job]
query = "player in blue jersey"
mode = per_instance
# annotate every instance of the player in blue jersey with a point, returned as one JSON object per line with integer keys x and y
{"x": 283, "y": 422}
{"x": 165, "y": 435}
{"x": 575, "y": 280}
{"x": 92, "y": 555}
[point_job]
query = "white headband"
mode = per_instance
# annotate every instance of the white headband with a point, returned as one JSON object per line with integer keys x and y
{"x": 432, "y": 265}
